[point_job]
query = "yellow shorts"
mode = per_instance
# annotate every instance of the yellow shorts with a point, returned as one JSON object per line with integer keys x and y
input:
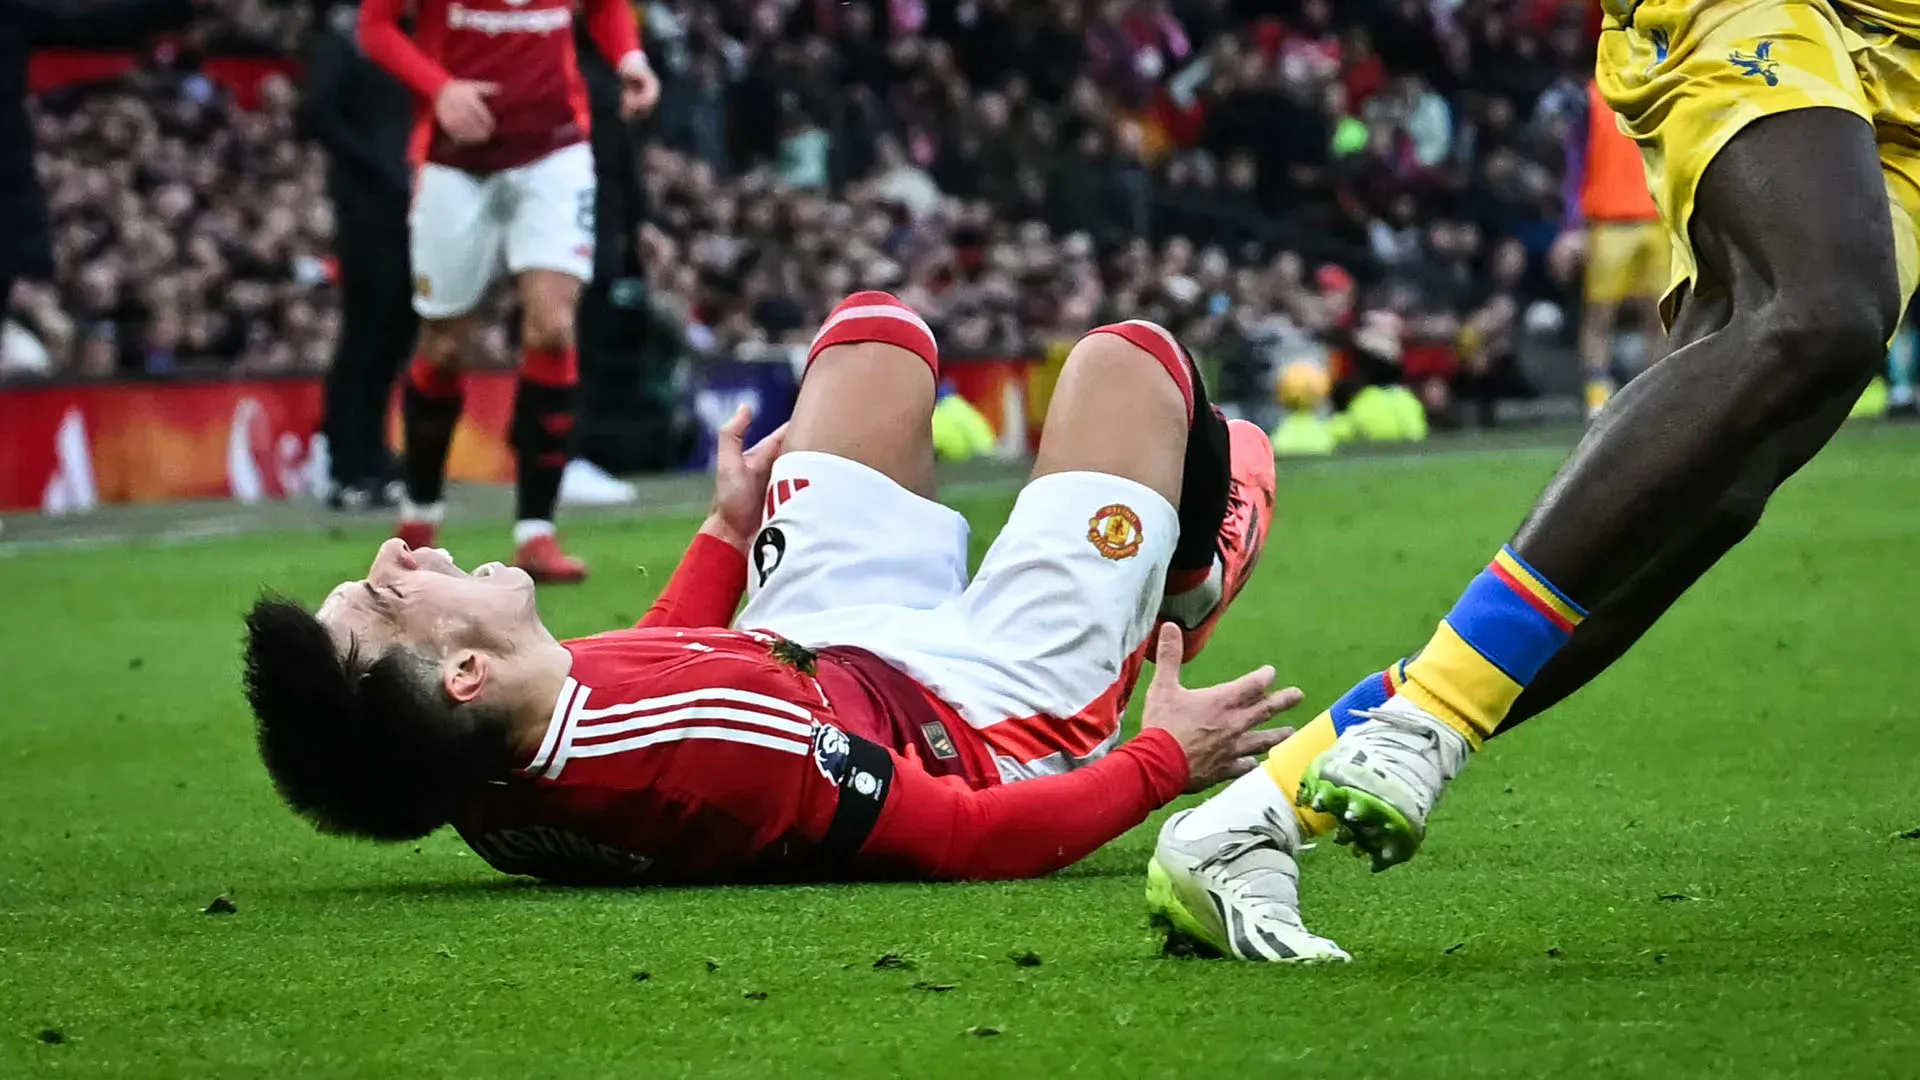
{"x": 1626, "y": 260}
{"x": 1687, "y": 76}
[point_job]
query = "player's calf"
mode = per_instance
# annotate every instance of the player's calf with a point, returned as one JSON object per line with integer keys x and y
{"x": 1238, "y": 541}
{"x": 431, "y": 398}
{"x": 543, "y": 421}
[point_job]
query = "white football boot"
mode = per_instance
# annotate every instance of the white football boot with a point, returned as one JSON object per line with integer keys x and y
{"x": 1234, "y": 893}
{"x": 1382, "y": 778}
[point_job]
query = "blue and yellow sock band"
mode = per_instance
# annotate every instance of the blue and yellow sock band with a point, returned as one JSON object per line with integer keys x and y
{"x": 1504, "y": 629}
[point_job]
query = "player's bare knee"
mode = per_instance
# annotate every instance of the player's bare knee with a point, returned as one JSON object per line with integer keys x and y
{"x": 443, "y": 342}
{"x": 1102, "y": 356}
{"x": 547, "y": 330}
{"x": 1817, "y": 342}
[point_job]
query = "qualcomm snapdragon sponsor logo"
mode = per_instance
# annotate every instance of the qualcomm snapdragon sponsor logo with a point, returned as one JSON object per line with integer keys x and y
{"x": 540, "y": 21}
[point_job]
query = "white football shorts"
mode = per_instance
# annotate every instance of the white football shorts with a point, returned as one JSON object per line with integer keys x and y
{"x": 1035, "y": 654}
{"x": 463, "y": 226}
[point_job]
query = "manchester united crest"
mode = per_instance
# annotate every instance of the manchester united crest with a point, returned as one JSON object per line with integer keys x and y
{"x": 1115, "y": 532}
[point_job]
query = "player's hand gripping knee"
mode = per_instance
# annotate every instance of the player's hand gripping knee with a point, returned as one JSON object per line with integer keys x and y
{"x": 1214, "y": 725}
{"x": 740, "y": 478}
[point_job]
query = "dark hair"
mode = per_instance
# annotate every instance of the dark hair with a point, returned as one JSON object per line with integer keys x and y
{"x": 369, "y": 747}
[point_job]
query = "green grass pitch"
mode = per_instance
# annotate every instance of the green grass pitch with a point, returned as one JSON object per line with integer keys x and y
{"x": 1692, "y": 869}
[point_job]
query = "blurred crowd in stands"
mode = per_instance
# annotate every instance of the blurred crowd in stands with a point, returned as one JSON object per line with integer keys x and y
{"x": 1379, "y": 176}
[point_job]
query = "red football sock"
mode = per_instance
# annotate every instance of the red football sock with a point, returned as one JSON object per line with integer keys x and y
{"x": 429, "y": 410}
{"x": 542, "y": 431}
{"x": 878, "y": 316}
{"x": 435, "y": 380}
{"x": 558, "y": 368}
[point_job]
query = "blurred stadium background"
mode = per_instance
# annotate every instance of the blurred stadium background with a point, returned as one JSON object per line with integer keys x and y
{"x": 1377, "y": 192}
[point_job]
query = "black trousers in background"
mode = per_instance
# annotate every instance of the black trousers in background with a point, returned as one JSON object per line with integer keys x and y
{"x": 377, "y": 330}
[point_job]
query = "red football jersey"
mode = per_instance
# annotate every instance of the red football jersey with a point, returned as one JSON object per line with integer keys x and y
{"x": 523, "y": 46}
{"x": 674, "y": 755}
{"x": 681, "y": 752}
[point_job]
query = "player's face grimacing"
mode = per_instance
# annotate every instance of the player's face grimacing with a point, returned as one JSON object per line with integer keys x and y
{"x": 420, "y": 597}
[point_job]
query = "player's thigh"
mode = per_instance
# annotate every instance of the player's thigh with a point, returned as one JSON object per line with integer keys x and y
{"x": 1051, "y": 629}
{"x": 551, "y": 223}
{"x": 1116, "y": 410}
{"x": 1756, "y": 128}
{"x": 872, "y": 403}
{"x": 838, "y": 538}
{"x": 454, "y": 240}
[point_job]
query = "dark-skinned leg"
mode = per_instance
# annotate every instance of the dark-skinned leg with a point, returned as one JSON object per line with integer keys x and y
{"x": 1793, "y": 239}
{"x": 1620, "y": 620}
{"x": 1621, "y": 617}
{"x": 1796, "y": 294}
{"x": 1792, "y": 222}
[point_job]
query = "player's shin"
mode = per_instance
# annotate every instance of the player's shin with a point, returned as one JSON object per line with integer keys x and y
{"x": 543, "y": 416}
{"x": 543, "y": 419}
{"x": 1276, "y": 784}
{"x": 1205, "y": 478}
{"x": 430, "y": 407}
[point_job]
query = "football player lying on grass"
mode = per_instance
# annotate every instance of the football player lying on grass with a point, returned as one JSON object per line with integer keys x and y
{"x": 870, "y": 713}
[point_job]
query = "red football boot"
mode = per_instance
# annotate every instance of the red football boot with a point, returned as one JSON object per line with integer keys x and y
{"x": 542, "y": 558}
{"x": 418, "y": 534}
{"x": 1243, "y": 535}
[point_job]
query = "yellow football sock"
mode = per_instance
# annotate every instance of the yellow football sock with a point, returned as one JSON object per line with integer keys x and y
{"x": 1288, "y": 762}
{"x": 1507, "y": 625}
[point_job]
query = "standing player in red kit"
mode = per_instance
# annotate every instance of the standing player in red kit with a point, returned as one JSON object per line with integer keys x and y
{"x": 504, "y": 172}
{"x": 873, "y": 714}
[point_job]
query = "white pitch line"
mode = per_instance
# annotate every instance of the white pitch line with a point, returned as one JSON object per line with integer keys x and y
{"x": 229, "y": 525}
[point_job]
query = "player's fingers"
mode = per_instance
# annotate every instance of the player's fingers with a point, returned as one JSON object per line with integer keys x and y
{"x": 1255, "y": 713}
{"x": 1166, "y": 658}
{"x": 1277, "y": 702}
{"x": 769, "y": 446}
{"x": 734, "y": 431}
{"x": 1240, "y": 767}
{"x": 1248, "y": 688}
{"x": 486, "y": 89}
{"x": 1257, "y": 743}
